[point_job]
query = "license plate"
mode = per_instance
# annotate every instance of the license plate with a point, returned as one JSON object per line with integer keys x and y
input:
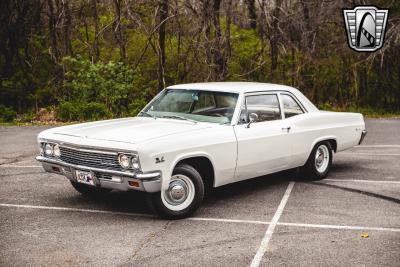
{"x": 84, "y": 177}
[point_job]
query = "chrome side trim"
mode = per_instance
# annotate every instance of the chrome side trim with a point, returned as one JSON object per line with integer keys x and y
{"x": 141, "y": 176}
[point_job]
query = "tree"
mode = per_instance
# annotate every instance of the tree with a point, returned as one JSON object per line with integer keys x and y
{"x": 162, "y": 17}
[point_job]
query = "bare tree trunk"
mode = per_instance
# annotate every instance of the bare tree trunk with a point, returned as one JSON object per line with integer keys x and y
{"x": 163, "y": 5}
{"x": 274, "y": 35}
{"x": 66, "y": 28}
{"x": 228, "y": 48}
{"x": 218, "y": 56}
{"x": 307, "y": 19}
{"x": 96, "y": 49}
{"x": 251, "y": 7}
{"x": 117, "y": 30}
{"x": 52, "y": 14}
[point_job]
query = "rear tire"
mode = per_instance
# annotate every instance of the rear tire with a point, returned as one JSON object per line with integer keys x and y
{"x": 183, "y": 196}
{"x": 319, "y": 162}
{"x": 88, "y": 190}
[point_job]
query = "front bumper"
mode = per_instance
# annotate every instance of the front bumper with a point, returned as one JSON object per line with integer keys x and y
{"x": 122, "y": 181}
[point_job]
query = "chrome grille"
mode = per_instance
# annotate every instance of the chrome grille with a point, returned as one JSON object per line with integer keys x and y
{"x": 93, "y": 159}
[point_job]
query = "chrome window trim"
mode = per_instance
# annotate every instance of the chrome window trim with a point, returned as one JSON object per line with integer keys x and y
{"x": 295, "y": 100}
{"x": 244, "y": 104}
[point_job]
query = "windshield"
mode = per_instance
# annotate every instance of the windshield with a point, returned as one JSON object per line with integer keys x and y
{"x": 196, "y": 105}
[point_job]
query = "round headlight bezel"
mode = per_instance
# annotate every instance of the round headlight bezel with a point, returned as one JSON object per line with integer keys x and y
{"x": 48, "y": 149}
{"x": 135, "y": 162}
{"x": 124, "y": 161}
{"x": 129, "y": 161}
{"x": 56, "y": 150}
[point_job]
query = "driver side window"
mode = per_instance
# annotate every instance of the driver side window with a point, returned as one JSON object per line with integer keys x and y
{"x": 265, "y": 106}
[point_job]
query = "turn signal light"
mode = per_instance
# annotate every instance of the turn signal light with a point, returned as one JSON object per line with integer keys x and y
{"x": 134, "y": 183}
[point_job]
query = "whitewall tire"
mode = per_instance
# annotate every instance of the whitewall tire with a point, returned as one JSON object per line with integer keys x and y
{"x": 183, "y": 196}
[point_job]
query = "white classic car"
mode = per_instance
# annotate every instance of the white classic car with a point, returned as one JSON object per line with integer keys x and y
{"x": 191, "y": 137}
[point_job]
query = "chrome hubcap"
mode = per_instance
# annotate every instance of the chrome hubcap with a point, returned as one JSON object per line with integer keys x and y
{"x": 322, "y": 158}
{"x": 180, "y": 193}
{"x": 177, "y": 191}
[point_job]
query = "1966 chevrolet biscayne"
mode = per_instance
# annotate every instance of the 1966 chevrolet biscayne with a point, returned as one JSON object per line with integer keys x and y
{"x": 191, "y": 137}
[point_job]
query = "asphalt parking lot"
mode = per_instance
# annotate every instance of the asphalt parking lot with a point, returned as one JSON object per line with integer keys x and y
{"x": 272, "y": 220}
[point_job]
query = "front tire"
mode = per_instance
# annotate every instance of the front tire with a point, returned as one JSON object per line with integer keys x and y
{"x": 319, "y": 162}
{"x": 184, "y": 195}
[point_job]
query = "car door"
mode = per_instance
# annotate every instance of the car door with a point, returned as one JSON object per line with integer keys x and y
{"x": 301, "y": 138}
{"x": 263, "y": 145}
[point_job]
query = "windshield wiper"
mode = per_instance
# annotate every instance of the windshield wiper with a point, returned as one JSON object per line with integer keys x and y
{"x": 148, "y": 114}
{"x": 178, "y": 117}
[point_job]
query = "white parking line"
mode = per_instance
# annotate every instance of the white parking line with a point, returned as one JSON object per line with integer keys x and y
{"x": 376, "y": 146}
{"x": 341, "y": 227}
{"x": 19, "y": 166}
{"x": 76, "y": 210}
{"x": 306, "y": 225}
{"x": 268, "y": 234}
{"x": 368, "y": 154}
{"x": 359, "y": 181}
{"x": 227, "y": 220}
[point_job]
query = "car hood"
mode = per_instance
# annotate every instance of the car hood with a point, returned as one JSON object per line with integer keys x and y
{"x": 129, "y": 130}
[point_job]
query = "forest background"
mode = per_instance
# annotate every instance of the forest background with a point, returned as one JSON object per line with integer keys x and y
{"x": 79, "y": 60}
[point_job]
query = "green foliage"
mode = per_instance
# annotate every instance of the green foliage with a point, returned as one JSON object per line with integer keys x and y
{"x": 136, "y": 106}
{"x": 27, "y": 117}
{"x": 77, "y": 111}
{"x": 35, "y": 74}
{"x": 111, "y": 84}
{"x": 68, "y": 111}
{"x": 7, "y": 114}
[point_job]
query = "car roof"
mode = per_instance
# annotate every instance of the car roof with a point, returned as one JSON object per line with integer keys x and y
{"x": 234, "y": 87}
{"x": 246, "y": 87}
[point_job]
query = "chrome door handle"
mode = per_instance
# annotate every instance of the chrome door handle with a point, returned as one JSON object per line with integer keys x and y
{"x": 287, "y": 129}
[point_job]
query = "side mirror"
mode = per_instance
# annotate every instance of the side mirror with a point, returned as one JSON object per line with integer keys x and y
{"x": 253, "y": 117}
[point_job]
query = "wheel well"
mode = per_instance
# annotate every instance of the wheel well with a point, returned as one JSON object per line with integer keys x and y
{"x": 205, "y": 168}
{"x": 333, "y": 144}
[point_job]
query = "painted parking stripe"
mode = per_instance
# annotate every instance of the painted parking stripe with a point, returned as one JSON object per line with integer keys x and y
{"x": 268, "y": 234}
{"x": 306, "y": 225}
{"x": 227, "y": 220}
{"x": 20, "y": 166}
{"x": 76, "y": 210}
{"x": 376, "y": 146}
{"x": 340, "y": 227}
{"x": 360, "y": 181}
{"x": 368, "y": 154}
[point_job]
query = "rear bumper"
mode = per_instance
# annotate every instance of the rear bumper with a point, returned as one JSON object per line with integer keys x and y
{"x": 363, "y": 134}
{"x": 118, "y": 180}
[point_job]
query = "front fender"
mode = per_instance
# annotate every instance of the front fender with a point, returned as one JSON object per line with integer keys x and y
{"x": 169, "y": 168}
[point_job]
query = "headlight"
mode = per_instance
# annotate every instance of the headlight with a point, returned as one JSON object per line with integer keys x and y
{"x": 48, "y": 149}
{"x": 129, "y": 161}
{"x": 124, "y": 161}
{"x": 56, "y": 151}
{"x": 135, "y": 162}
